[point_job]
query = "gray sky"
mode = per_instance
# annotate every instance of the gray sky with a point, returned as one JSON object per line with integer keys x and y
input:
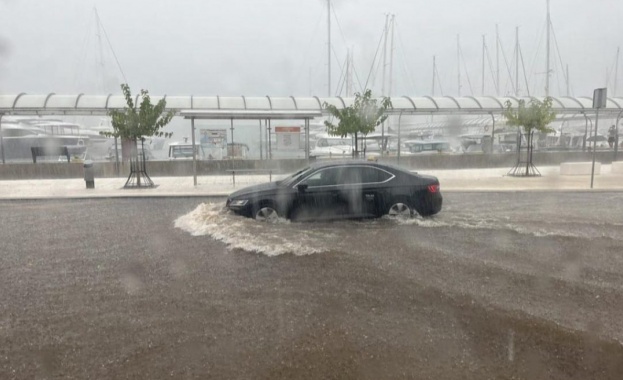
{"x": 254, "y": 47}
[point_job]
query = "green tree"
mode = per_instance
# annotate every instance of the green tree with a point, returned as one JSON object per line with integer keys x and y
{"x": 534, "y": 117}
{"x": 133, "y": 124}
{"x": 362, "y": 117}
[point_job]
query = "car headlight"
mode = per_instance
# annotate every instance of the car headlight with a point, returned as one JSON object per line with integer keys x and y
{"x": 238, "y": 203}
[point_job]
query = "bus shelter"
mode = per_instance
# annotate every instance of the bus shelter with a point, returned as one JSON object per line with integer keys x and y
{"x": 260, "y": 115}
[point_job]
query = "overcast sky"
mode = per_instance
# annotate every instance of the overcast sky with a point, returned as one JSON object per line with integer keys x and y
{"x": 278, "y": 47}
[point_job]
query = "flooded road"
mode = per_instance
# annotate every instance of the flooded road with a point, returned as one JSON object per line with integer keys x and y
{"x": 499, "y": 285}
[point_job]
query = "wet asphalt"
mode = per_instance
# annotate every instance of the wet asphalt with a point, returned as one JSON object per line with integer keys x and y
{"x": 499, "y": 285}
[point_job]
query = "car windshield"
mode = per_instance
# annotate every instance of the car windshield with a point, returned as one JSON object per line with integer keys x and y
{"x": 294, "y": 177}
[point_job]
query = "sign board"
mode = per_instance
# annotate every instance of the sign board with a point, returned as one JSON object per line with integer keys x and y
{"x": 600, "y": 97}
{"x": 214, "y": 142}
{"x": 217, "y": 137}
{"x": 288, "y": 138}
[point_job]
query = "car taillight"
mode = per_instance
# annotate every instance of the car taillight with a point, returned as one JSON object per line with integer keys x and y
{"x": 433, "y": 188}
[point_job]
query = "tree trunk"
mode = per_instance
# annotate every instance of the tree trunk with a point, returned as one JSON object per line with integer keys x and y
{"x": 356, "y": 152}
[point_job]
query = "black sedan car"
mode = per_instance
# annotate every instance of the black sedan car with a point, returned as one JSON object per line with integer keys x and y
{"x": 336, "y": 190}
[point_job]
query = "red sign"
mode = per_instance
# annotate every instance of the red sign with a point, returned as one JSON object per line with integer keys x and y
{"x": 287, "y": 129}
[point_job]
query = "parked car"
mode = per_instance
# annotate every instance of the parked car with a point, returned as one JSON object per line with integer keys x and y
{"x": 335, "y": 190}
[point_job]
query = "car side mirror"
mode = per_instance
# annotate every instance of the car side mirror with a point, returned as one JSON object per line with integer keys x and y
{"x": 302, "y": 187}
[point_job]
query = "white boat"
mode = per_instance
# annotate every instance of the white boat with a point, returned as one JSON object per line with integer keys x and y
{"x": 327, "y": 146}
{"x": 19, "y": 135}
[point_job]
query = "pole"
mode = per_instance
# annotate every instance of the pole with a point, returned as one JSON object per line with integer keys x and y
{"x": 307, "y": 140}
{"x": 385, "y": 32}
{"x": 261, "y": 150}
{"x": 497, "y": 60}
{"x": 2, "y": 140}
{"x": 231, "y": 128}
{"x": 458, "y": 61}
{"x": 594, "y": 146}
{"x": 585, "y": 132}
{"x": 267, "y": 136}
{"x": 329, "y": 47}
{"x": 192, "y": 127}
{"x": 547, "y": 70}
{"x": 492, "y": 131}
{"x": 399, "y": 120}
{"x": 270, "y": 148}
{"x": 616, "y": 137}
{"x": 116, "y": 157}
{"x": 434, "y": 71}
{"x": 484, "y": 46}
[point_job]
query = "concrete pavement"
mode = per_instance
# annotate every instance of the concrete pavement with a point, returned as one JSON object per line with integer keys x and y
{"x": 222, "y": 185}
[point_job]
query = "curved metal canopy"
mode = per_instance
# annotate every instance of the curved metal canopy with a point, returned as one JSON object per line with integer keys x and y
{"x": 83, "y": 104}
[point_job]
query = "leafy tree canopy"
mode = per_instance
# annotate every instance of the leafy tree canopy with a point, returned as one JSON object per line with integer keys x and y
{"x": 363, "y": 116}
{"x": 534, "y": 117}
{"x": 135, "y": 123}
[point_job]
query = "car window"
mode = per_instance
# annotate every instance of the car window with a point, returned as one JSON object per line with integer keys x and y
{"x": 349, "y": 176}
{"x": 374, "y": 175}
{"x": 323, "y": 177}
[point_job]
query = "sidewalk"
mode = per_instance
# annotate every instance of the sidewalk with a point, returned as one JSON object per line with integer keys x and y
{"x": 222, "y": 185}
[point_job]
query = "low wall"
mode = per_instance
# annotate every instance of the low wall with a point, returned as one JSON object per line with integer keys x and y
{"x": 59, "y": 170}
{"x": 481, "y": 161}
{"x": 53, "y": 170}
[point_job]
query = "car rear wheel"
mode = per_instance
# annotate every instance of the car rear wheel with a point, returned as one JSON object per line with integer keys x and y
{"x": 400, "y": 209}
{"x": 266, "y": 213}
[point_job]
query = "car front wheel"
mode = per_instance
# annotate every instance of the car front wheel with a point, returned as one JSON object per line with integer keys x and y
{"x": 266, "y": 213}
{"x": 400, "y": 209}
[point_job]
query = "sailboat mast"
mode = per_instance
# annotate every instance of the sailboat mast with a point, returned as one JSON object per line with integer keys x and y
{"x": 497, "y": 60}
{"x": 458, "y": 61}
{"x": 347, "y": 73}
{"x": 547, "y": 70}
{"x": 484, "y": 47}
{"x": 517, "y": 61}
{"x": 434, "y": 72}
{"x": 568, "y": 92}
{"x": 385, "y": 32}
{"x": 391, "y": 59}
{"x": 100, "y": 50}
{"x": 329, "y": 47}
{"x": 616, "y": 72}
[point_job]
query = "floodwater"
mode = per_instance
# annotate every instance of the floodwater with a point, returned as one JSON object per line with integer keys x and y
{"x": 498, "y": 285}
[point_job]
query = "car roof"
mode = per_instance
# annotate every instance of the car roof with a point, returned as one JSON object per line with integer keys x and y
{"x": 354, "y": 162}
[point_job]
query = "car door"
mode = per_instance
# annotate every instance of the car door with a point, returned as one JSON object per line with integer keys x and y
{"x": 375, "y": 191}
{"x": 350, "y": 191}
{"x": 317, "y": 198}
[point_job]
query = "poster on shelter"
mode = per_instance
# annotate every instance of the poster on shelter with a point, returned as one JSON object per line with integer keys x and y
{"x": 214, "y": 143}
{"x": 288, "y": 138}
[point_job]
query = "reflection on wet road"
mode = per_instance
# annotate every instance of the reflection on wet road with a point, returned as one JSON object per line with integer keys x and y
{"x": 523, "y": 285}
